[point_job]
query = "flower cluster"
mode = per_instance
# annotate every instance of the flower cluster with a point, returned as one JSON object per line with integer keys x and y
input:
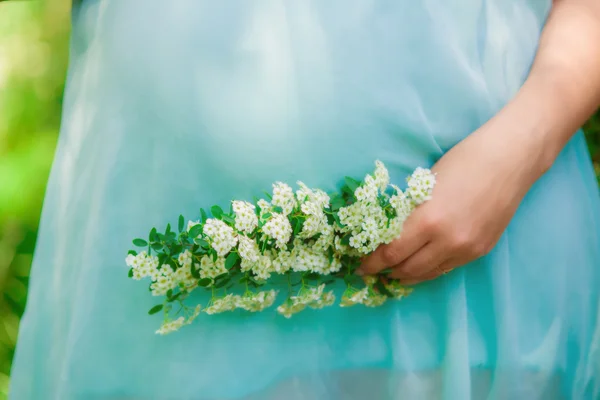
{"x": 302, "y": 240}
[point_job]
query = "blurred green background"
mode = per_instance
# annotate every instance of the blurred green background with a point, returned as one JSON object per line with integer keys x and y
{"x": 33, "y": 61}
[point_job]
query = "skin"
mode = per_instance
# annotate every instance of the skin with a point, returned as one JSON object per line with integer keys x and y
{"x": 482, "y": 180}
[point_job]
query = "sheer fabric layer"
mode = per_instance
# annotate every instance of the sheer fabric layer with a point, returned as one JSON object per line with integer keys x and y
{"x": 172, "y": 107}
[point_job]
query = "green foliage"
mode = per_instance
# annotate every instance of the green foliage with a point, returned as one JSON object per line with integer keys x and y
{"x": 33, "y": 57}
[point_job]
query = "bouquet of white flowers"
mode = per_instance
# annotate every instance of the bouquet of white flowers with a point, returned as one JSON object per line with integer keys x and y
{"x": 302, "y": 241}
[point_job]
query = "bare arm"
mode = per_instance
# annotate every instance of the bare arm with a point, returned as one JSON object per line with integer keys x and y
{"x": 483, "y": 179}
{"x": 563, "y": 88}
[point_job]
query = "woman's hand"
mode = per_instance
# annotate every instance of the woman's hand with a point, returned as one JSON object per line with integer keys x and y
{"x": 482, "y": 180}
{"x": 480, "y": 183}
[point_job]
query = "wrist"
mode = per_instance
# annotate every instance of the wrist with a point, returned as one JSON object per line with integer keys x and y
{"x": 536, "y": 124}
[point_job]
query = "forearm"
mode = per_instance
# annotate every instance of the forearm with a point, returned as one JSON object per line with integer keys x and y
{"x": 562, "y": 90}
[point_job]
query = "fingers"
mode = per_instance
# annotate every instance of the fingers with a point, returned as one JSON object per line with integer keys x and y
{"x": 393, "y": 253}
{"x": 414, "y": 281}
{"x": 421, "y": 263}
{"x": 444, "y": 268}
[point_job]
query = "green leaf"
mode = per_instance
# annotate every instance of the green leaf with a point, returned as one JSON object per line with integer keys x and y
{"x": 267, "y": 215}
{"x": 130, "y": 274}
{"x": 297, "y": 226}
{"x": 153, "y": 237}
{"x": 215, "y": 256}
{"x": 228, "y": 219}
{"x": 173, "y": 298}
{"x": 352, "y": 279}
{"x": 180, "y": 224}
{"x": 168, "y": 229}
{"x": 352, "y": 183}
{"x": 155, "y": 309}
{"x": 169, "y": 293}
{"x": 346, "y": 239}
{"x": 382, "y": 289}
{"x": 162, "y": 258}
{"x": 204, "y": 282}
{"x": 312, "y": 276}
{"x": 195, "y": 272}
{"x": 132, "y": 252}
{"x": 268, "y": 195}
{"x": 195, "y": 231}
{"x": 337, "y": 203}
{"x": 201, "y": 242}
{"x": 386, "y": 271}
{"x": 330, "y": 255}
{"x": 231, "y": 260}
{"x": 222, "y": 283}
{"x": 140, "y": 242}
{"x": 171, "y": 236}
{"x": 216, "y": 211}
{"x": 256, "y": 283}
{"x": 222, "y": 276}
{"x": 203, "y": 216}
{"x": 278, "y": 209}
{"x": 156, "y": 246}
{"x": 256, "y": 207}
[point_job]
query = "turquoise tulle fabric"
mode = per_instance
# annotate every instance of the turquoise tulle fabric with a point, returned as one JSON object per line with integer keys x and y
{"x": 173, "y": 106}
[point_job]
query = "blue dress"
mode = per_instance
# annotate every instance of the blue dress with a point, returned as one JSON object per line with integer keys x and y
{"x": 172, "y": 106}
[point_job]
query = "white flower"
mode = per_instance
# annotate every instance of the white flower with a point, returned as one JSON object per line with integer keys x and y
{"x": 222, "y": 236}
{"x": 227, "y": 303}
{"x": 318, "y": 246}
{"x": 420, "y": 185}
{"x": 248, "y": 249}
{"x": 265, "y": 207}
{"x": 278, "y": 228}
{"x": 185, "y": 259}
{"x": 374, "y": 299}
{"x": 397, "y": 289}
{"x": 313, "y": 297}
{"x": 262, "y": 268}
{"x": 171, "y": 326}
{"x": 308, "y": 258}
{"x": 184, "y": 278}
{"x": 143, "y": 265}
{"x": 401, "y": 204}
{"x": 327, "y": 299}
{"x": 283, "y": 196}
{"x": 211, "y": 269}
{"x": 282, "y": 262}
{"x": 393, "y": 231}
{"x": 382, "y": 177}
{"x": 367, "y": 193}
{"x": 246, "y": 219}
{"x": 315, "y": 196}
{"x": 355, "y": 297}
{"x": 194, "y": 314}
{"x": 129, "y": 260}
{"x": 326, "y": 239}
{"x": 255, "y": 302}
{"x": 163, "y": 284}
